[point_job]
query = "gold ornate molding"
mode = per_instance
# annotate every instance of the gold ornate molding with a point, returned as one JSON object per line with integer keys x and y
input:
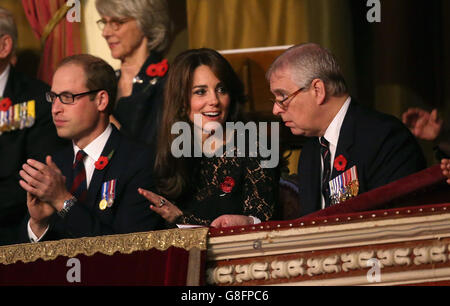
{"x": 108, "y": 245}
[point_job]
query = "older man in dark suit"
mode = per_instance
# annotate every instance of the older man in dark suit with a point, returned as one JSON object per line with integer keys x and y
{"x": 352, "y": 149}
{"x": 90, "y": 188}
{"x": 26, "y": 130}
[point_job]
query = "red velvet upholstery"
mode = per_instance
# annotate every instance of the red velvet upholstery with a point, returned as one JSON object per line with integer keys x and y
{"x": 152, "y": 267}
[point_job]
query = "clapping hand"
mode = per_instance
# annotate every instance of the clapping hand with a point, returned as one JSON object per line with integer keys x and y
{"x": 45, "y": 182}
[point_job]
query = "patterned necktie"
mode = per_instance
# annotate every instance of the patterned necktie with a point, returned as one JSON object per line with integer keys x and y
{"x": 79, "y": 186}
{"x": 325, "y": 153}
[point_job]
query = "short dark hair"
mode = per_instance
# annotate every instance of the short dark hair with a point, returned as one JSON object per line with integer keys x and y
{"x": 99, "y": 75}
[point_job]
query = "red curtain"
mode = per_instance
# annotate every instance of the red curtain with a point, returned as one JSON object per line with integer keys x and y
{"x": 63, "y": 41}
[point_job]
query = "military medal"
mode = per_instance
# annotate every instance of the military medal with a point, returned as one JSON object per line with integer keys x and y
{"x": 344, "y": 186}
{"x": 11, "y": 118}
{"x": 31, "y": 113}
{"x": 16, "y": 116}
{"x": 108, "y": 194}
{"x": 111, "y": 192}
{"x": 23, "y": 115}
{"x": 2, "y": 121}
{"x": 104, "y": 202}
{"x": 7, "y": 120}
{"x": 355, "y": 182}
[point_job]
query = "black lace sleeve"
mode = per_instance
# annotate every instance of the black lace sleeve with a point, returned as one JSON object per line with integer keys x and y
{"x": 260, "y": 189}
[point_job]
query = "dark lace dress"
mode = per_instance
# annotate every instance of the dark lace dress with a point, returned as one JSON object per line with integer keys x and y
{"x": 229, "y": 185}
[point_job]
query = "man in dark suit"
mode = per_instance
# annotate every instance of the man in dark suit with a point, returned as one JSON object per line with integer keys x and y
{"x": 26, "y": 130}
{"x": 90, "y": 188}
{"x": 352, "y": 149}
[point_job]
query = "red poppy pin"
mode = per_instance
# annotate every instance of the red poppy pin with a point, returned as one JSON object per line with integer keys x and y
{"x": 340, "y": 163}
{"x": 227, "y": 184}
{"x": 5, "y": 104}
{"x": 158, "y": 69}
{"x": 103, "y": 161}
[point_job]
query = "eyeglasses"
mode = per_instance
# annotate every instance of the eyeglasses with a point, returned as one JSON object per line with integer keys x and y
{"x": 66, "y": 97}
{"x": 115, "y": 24}
{"x": 281, "y": 103}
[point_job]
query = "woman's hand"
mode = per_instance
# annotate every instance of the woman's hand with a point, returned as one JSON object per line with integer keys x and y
{"x": 161, "y": 206}
{"x": 231, "y": 220}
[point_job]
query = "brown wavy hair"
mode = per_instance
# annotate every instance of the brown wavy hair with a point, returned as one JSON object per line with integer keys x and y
{"x": 173, "y": 174}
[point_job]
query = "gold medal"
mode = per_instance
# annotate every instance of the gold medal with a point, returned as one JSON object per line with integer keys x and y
{"x": 355, "y": 188}
{"x": 103, "y": 204}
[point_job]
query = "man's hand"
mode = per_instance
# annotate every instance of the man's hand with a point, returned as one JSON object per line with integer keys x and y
{"x": 445, "y": 167}
{"x": 40, "y": 212}
{"x": 45, "y": 181}
{"x": 231, "y": 220}
{"x": 422, "y": 124}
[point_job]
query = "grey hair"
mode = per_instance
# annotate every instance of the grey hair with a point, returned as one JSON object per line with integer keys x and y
{"x": 8, "y": 26}
{"x": 152, "y": 17}
{"x": 310, "y": 61}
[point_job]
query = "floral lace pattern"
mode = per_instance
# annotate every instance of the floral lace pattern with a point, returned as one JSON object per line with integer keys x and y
{"x": 255, "y": 188}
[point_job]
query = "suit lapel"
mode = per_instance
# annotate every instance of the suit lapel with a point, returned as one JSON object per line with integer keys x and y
{"x": 64, "y": 160}
{"x": 309, "y": 173}
{"x": 315, "y": 176}
{"x": 98, "y": 175}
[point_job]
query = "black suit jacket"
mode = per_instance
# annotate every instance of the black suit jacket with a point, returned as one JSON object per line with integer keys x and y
{"x": 380, "y": 146}
{"x": 16, "y": 146}
{"x": 131, "y": 165}
{"x": 139, "y": 114}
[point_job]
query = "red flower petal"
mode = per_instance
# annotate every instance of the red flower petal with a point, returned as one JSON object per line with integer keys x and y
{"x": 340, "y": 163}
{"x": 227, "y": 184}
{"x": 151, "y": 70}
{"x": 159, "y": 69}
{"x": 5, "y": 104}
{"x": 101, "y": 163}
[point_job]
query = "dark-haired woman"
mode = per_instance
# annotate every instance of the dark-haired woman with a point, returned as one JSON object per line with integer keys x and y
{"x": 224, "y": 190}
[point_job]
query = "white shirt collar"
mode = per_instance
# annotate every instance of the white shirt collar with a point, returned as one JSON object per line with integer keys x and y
{"x": 333, "y": 130}
{"x": 95, "y": 148}
{"x": 4, "y": 79}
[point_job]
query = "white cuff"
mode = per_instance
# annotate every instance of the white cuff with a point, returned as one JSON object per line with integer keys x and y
{"x": 33, "y": 238}
{"x": 255, "y": 220}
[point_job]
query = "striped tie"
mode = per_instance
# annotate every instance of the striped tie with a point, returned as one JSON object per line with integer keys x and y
{"x": 79, "y": 187}
{"x": 325, "y": 153}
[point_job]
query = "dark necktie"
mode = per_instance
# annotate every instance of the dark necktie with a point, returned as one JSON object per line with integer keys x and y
{"x": 325, "y": 153}
{"x": 79, "y": 186}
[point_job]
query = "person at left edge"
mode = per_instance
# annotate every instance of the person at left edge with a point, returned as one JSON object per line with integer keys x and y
{"x": 72, "y": 195}
{"x": 29, "y": 133}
